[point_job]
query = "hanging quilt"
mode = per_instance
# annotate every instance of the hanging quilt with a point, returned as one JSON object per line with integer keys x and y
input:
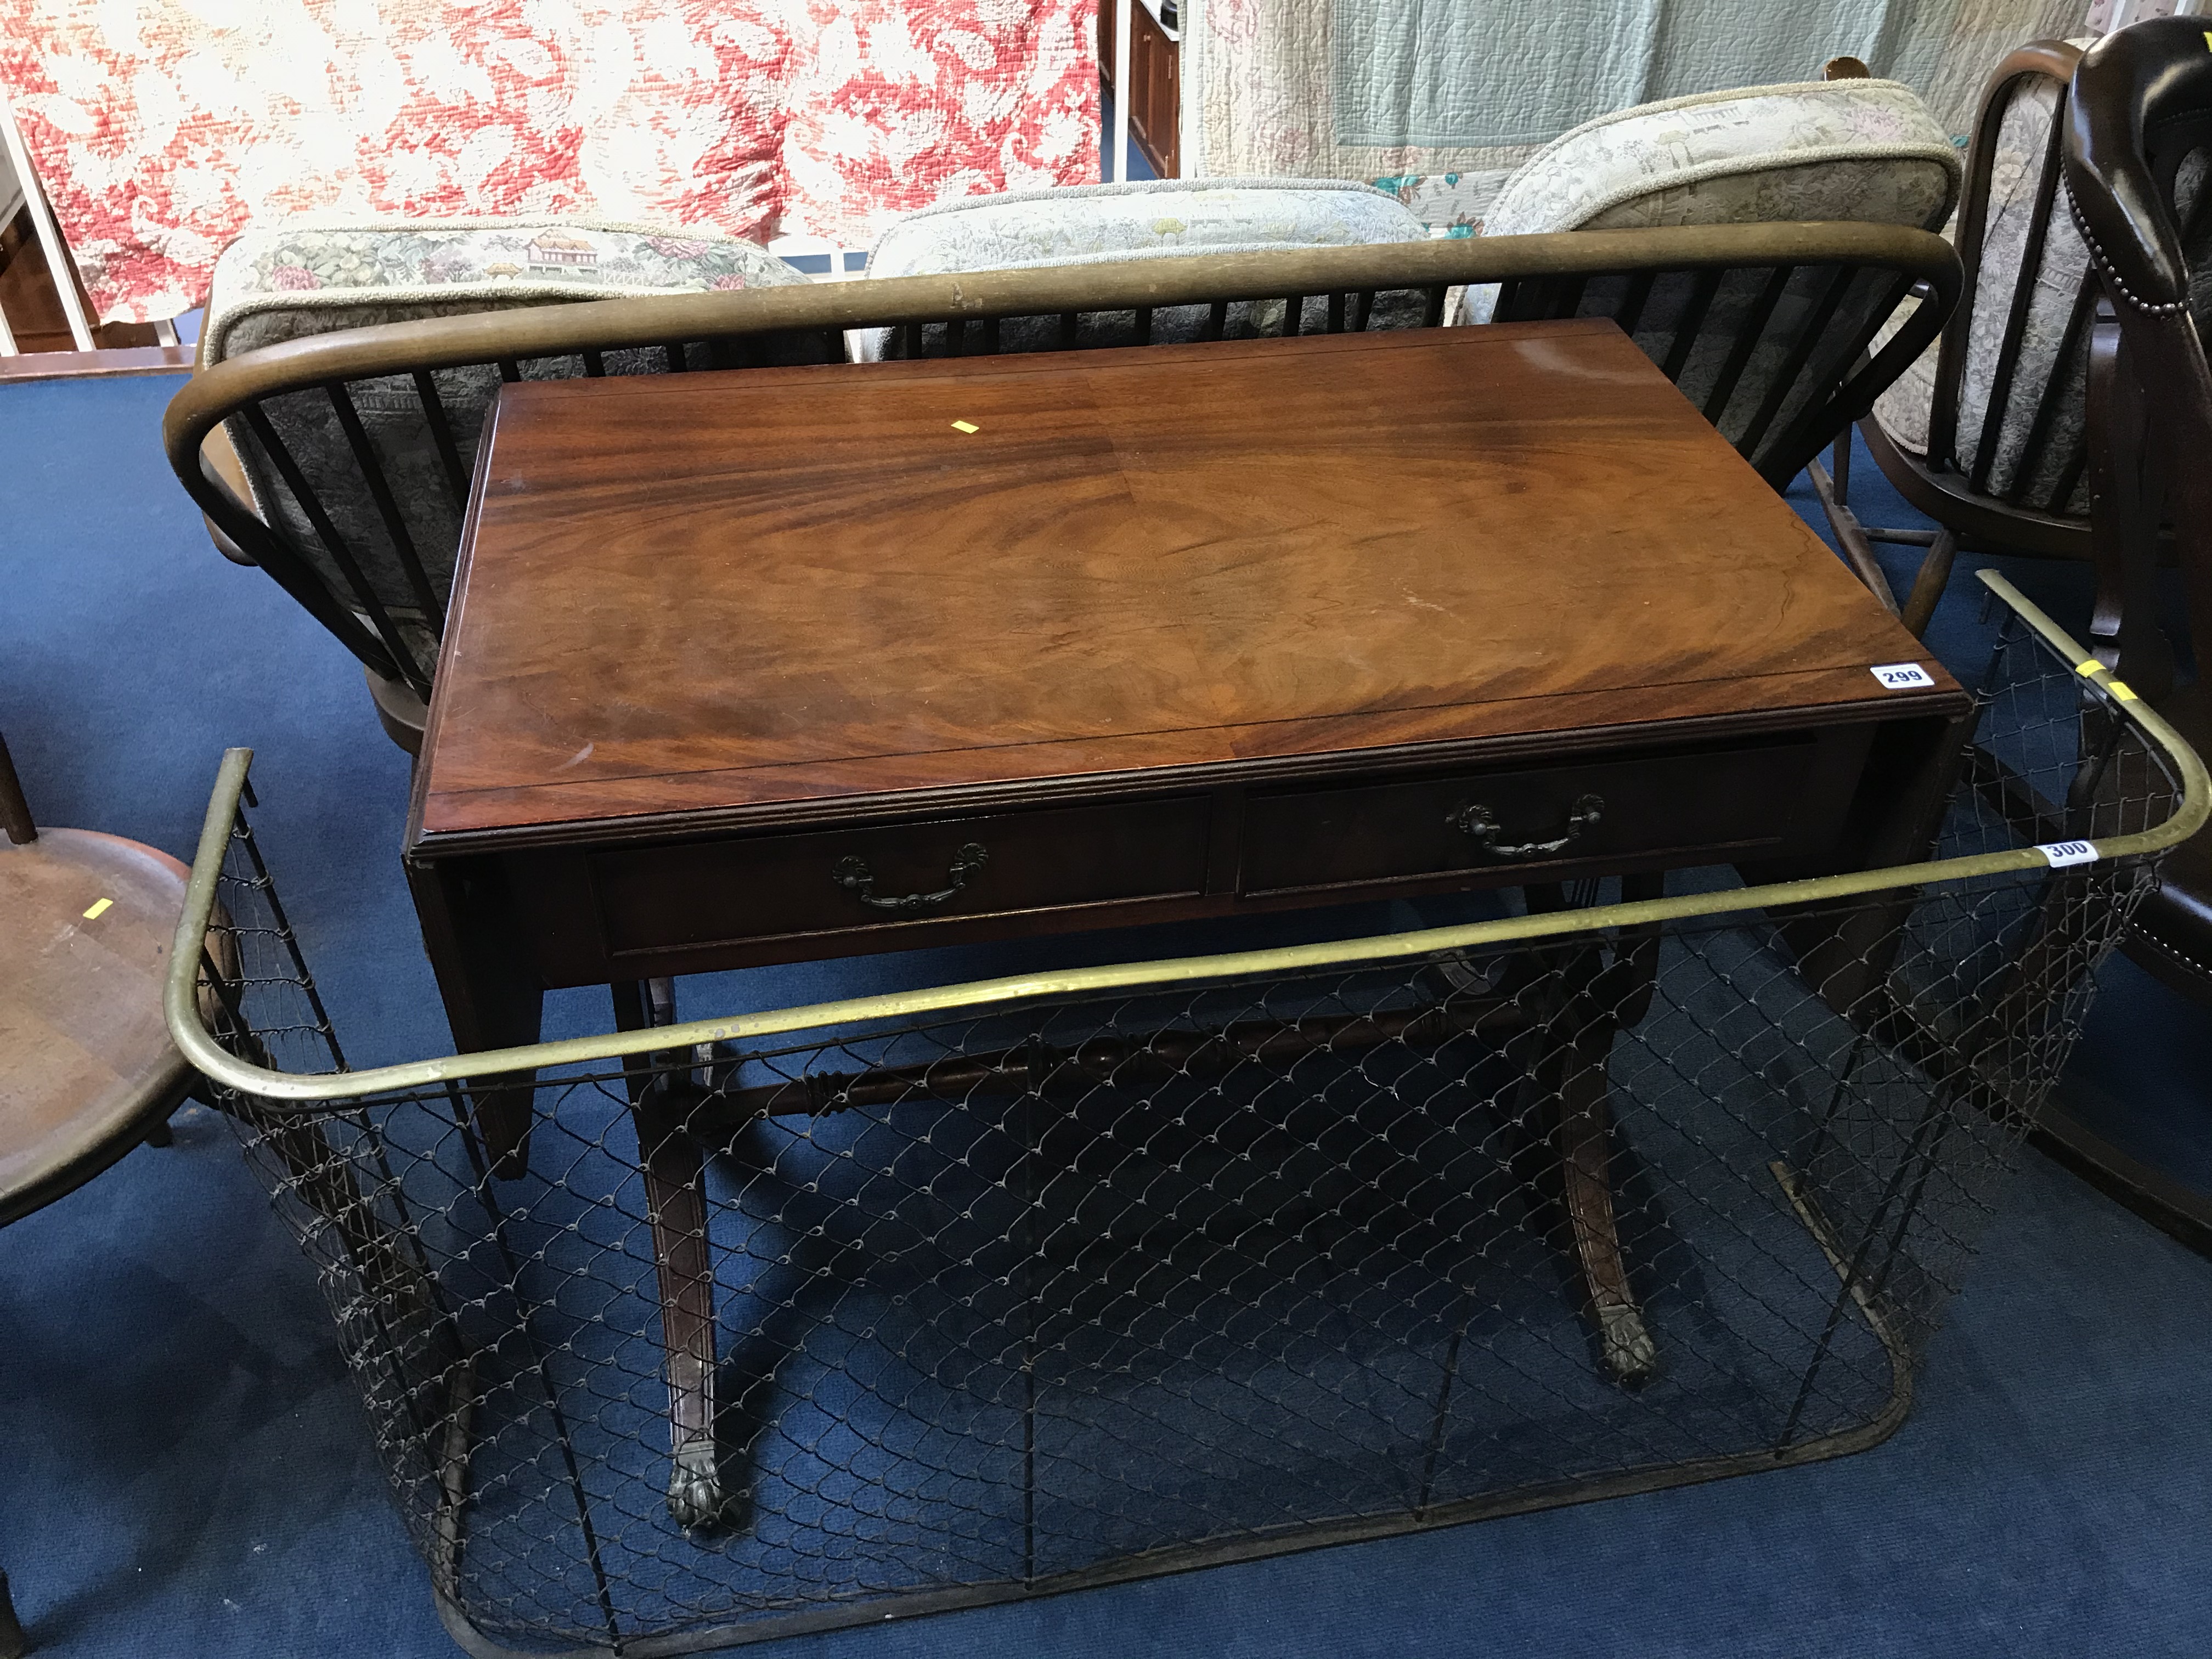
{"x": 163, "y": 127}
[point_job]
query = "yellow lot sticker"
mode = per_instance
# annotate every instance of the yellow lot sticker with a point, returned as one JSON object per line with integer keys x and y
{"x": 2119, "y": 688}
{"x": 966, "y": 426}
{"x": 98, "y": 910}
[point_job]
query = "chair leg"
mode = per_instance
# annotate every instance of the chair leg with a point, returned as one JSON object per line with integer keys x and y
{"x": 12, "y": 1644}
{"x": 1851, "y": 536}
{"x": 193, "y": 1088}
{"x": 676, "y": 1212}
{"x": 1934, "y": 575}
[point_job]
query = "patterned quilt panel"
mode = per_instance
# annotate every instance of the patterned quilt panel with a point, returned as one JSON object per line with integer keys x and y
{"x": 163, "y": 127}
{"x": 1439, "y": 100}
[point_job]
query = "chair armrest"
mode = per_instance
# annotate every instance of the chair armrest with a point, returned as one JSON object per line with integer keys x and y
{"x": 2125, "y": 505}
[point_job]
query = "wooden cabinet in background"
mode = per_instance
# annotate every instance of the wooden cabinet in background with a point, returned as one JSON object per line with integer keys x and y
{"x": 1156, "y": 83}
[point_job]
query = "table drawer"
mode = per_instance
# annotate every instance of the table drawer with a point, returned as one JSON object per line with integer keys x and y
{"x": 687, "y": 894}
{"x": 1761, "y": 799}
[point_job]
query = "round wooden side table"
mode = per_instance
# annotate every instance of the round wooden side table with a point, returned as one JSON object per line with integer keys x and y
{"x": 87, "y": 1068}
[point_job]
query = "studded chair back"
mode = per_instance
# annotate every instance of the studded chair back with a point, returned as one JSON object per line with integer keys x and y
{"x": 2138, "y": 151}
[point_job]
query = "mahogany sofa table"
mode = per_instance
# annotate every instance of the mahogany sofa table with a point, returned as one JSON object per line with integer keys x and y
{"x": 771, "y": 664}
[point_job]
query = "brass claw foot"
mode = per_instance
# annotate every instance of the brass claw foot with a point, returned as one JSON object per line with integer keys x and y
{"x": 696, "y": 1497}
{"x": 1626, "y": 1346}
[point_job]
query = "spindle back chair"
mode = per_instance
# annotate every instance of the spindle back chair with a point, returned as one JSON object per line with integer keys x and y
{"x": 1990, "y": 440}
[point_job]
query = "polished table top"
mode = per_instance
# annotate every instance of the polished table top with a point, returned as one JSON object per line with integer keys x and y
{"x": 767, "y": 595}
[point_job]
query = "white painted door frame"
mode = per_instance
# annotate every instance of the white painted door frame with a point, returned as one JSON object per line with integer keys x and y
{"x": 59, "y": 263}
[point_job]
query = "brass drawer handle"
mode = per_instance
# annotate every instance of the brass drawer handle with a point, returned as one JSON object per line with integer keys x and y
{"x": 854, "y": 876}
{"x": 1482, "y": 824}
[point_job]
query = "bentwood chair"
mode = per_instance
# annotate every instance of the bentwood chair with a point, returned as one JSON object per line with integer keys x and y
{"x": 367, "y": 484}
{"x": 87, "y": 1068}
{"x": 2137, "y": 152}
{"x": 1986, "y": 433}
{"x": 1865, "y": 151}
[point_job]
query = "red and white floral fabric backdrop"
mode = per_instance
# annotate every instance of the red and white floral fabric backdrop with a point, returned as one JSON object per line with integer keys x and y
{"x": 163, "y": 127}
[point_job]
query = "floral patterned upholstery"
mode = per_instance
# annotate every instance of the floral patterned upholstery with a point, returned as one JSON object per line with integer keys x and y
{"x": 1823, "y": 149}
{"x": 1818, "y": 149}
{"x": 2016, "y": 176}
{"x": 1095, "y": 224}
{"x": 165, "y": 128}
{"x": 294, "y": 280}
{"x": 312, "y": 277}
{"x": 2062, "y": 286}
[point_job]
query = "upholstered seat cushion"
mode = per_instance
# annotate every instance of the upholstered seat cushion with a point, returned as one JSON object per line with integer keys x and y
{"x": 312, "y": 277}
{"x": 1865, "y": 150}
{"x": 1816, "y": 149}
{"x": 2023, "y": 151}
{"x": 1810, "y": 149}
{"x": 1903, "y": 409}
{"x": 1095, "y": 224}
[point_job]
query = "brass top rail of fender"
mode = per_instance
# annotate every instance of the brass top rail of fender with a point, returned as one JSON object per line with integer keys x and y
{"x": 182, "y": 1002}
{"x": 640, "y": 320}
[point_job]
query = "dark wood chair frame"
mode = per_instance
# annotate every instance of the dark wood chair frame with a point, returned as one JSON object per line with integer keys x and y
{"x": 2141, "y": 106}
{"x": 1958, "y": 497}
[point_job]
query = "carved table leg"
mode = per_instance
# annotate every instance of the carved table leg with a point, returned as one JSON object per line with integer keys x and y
{"x": 676, "y": 1204}
{"x": 676, "y": 1208}
{"x": 1585, "y": 1146}
{"x": 1568, "y": 1055}
{"x": 1554, "y": 1013}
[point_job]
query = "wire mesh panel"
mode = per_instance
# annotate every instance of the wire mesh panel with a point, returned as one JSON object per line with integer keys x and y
{"x": 994, "y": 1291}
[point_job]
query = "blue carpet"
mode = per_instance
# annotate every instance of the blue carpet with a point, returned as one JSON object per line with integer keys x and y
{"x": 186, "y": 1469}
